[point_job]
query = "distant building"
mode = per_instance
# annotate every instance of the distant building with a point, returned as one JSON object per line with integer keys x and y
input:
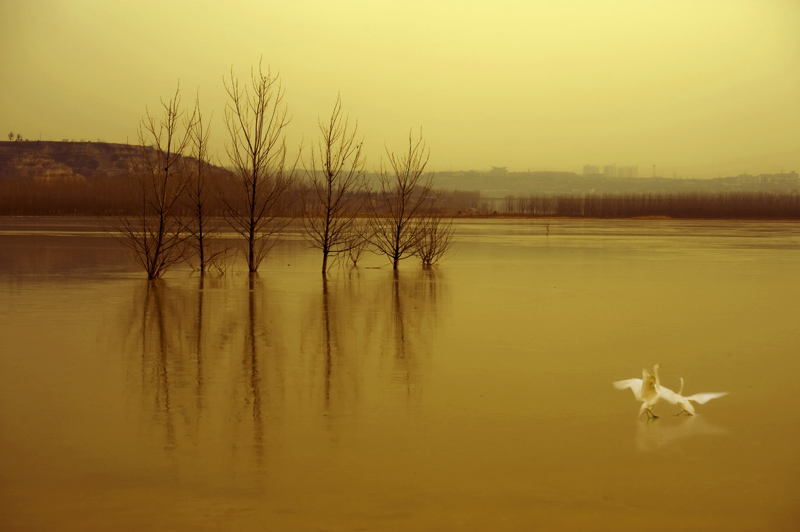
{"x": 590, "y": 169}
{"x": 498, "y": 171}
{"x": 783, "y": 177}
{"x": 628, "y": 171}
{"x": 610, "y": 170}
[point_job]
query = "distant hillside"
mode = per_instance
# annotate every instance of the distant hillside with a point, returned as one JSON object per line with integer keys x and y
{"x": 96, "y": 178}
{"x": 49, "y": 161}
{"x": 66, "y": 161}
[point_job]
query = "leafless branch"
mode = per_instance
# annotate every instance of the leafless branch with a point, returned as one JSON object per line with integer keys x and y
{"x": 155, "y": 232}
{"x": 255, "y": 118}
{"x": 201, "y": 227}
{"x": 337, "y": 191}
{"x": 404, "y": 196}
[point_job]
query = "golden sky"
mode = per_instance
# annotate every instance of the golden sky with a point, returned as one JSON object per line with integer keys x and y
{"x": 696, "y": 88}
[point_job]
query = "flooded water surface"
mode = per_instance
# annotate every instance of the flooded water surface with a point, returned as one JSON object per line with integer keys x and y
{"x": 473, "y": 396}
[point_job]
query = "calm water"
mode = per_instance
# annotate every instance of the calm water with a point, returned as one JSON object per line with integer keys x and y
{"x": 476, "y": 396}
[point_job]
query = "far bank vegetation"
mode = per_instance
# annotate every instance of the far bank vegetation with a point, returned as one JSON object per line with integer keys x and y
{"x": 175, "y": 200}
{"x": 168, "y": 207}
{"x": 108, "y": 196}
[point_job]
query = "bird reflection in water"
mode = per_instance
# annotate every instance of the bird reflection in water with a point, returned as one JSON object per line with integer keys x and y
{"x": 672, "y": 431}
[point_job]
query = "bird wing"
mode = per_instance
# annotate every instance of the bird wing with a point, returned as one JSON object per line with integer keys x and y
{"x": 670, "y": 396}
{"x": 702, "y": 398}
{"x": 634, "y": 384}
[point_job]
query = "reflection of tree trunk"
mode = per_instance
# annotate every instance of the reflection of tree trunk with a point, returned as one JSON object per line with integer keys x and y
{"x": 154, "y": 312}
{"x": 430, "y": 287}
{"x": 327, "y": 331}
{"x": 397, "y": 314}
{"x": 252, "y": 369}
{"x": 199, "y": 347}
{"x": 400, "y": 330}
{"x": 413, "y": 308}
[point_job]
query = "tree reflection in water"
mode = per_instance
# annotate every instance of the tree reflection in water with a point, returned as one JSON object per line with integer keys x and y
{"x": 231, "y": 365}
{"x": 157, "y": 343}
{"x": 329, "y": 342}
{"x": 333, "y": 340}
{"x": 362, "y": 330}
{"x": 412, "y": 322}
{"x": 167, "y": 337}
{"x": 251, "y": 364}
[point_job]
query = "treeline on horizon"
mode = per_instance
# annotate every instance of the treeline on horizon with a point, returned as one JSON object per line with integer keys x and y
{"x": 117, "y": 197}
{"x": 689, "y": 205}
{"x": 121, "y": 196}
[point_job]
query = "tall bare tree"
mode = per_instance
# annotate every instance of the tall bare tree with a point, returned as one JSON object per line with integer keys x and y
{"x": 199, "y": 195}
{"x": 154, "y": 233}
{"x": 405, "y": 196}
{"x": 337, "y": 191}
{"x": 255, "y": 118}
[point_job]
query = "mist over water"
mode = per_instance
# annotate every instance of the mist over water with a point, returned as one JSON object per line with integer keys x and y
{"x": 474, "y": 396}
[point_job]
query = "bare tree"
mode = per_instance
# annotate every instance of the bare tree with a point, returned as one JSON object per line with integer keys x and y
{"x": 154, "y": 233}
{"x": 404, "y": 196}
{"x": 10, "y": 136}
{"x": 201, "y": 226}
{"x": 358, "y": 238}
{"x": 255, "y": 118}
{"x": 337, "y": 189}
{"x": 435, "y": 238}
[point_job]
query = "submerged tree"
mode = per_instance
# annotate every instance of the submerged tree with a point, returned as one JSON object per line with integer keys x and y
{"x": 435, "y": 238}
{"x": 358, "y": 238}
{"x": 255, "y": 118}
{"x": 201, "y": 226}
{"x": 337, "y": 192}
{"x": 154, "y": 233}
{"x": 404, "y": 197}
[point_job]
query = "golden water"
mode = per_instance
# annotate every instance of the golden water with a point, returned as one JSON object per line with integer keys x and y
{"x": 476, "y": 396}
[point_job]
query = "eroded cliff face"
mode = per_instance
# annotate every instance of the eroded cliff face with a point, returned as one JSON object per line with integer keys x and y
{"x": 74, "y": 161}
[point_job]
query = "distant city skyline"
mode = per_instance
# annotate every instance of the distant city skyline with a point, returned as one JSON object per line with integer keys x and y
{"x": 607, "y": 170}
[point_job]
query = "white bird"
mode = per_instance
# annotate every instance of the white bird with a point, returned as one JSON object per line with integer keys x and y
{"x": 685, "y": 401}
{"x": 647, "y": 390}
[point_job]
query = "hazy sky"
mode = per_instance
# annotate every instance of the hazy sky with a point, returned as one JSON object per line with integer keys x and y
{"x": 697, "y": 88}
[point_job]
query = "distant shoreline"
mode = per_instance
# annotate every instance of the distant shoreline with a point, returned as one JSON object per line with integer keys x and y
{"x": 487, "y": 217}
{"x": 97, "y": 178}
